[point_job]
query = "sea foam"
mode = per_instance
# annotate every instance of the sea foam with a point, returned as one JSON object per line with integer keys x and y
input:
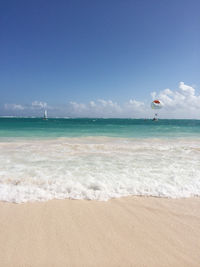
{"x": 98, "y": 168}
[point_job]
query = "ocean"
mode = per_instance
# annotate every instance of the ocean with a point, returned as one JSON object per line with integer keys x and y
{"x": 98, "y": 159}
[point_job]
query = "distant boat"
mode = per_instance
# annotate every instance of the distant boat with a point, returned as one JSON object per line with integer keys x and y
{"x": 45, "y": 115}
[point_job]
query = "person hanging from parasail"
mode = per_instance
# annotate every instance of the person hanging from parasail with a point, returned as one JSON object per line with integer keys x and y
{"x": 156, "y": 104}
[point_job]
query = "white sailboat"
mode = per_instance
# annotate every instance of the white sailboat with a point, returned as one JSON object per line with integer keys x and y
{"x": 45, "y": 115}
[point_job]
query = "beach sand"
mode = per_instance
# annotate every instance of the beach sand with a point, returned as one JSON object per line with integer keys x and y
{"x": 132, "y": 231}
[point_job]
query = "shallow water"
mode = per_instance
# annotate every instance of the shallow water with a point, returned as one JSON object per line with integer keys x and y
{"x": 85, "y": 165}
{"x": 131, "y": 128}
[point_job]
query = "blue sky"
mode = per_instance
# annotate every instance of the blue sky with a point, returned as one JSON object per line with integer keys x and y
{"x": 57, "y": 53}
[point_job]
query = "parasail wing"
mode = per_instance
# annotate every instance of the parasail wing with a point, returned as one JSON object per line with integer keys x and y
{"x": 156, "y": 104}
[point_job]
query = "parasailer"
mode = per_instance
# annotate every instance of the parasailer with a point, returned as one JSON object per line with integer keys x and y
{"x": 156, "y": 104}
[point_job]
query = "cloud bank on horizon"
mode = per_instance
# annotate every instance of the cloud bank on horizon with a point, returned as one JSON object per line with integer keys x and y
{"x": 182, "y": 103}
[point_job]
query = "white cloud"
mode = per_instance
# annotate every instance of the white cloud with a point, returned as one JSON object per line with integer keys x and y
{"x": 182, "y": 102}
{"x": 153, "y": 95}
{"x": 13, "y": 107}
{"x": 99, "y": 108}
{"x": 33, "y": 109}
{"x": 186, "y": 89}
{"x": 105, "y": 108}
{"x": 136, "y": 104}
{"x": 103, "y": 102}
{"x": 39, "y": 104}
{"x": 78, "y": 107}
{"x": 92, "y": 104}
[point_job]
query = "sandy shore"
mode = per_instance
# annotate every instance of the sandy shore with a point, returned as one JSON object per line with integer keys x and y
{"x": 134, "y": 231}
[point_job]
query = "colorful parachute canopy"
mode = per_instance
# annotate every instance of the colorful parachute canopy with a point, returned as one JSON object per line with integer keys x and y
{"x": 156, "y": 104}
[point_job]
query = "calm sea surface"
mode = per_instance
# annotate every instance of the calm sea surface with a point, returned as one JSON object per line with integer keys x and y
{"x": 128, "y": 128}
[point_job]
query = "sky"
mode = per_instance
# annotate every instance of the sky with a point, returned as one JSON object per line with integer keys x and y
{"x": 99, "y": 58}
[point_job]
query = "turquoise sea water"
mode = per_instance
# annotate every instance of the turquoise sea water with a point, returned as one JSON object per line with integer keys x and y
{"x": 127, "y": 128}
{"x": 98, "y": 158}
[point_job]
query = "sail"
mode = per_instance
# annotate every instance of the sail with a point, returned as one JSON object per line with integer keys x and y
{"x": 45, "y": 115}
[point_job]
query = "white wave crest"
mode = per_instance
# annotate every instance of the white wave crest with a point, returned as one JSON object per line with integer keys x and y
{"x": 98, "y": 168}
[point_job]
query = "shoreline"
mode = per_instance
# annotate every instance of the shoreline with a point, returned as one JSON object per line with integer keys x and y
{"x": 129, "y": 231}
